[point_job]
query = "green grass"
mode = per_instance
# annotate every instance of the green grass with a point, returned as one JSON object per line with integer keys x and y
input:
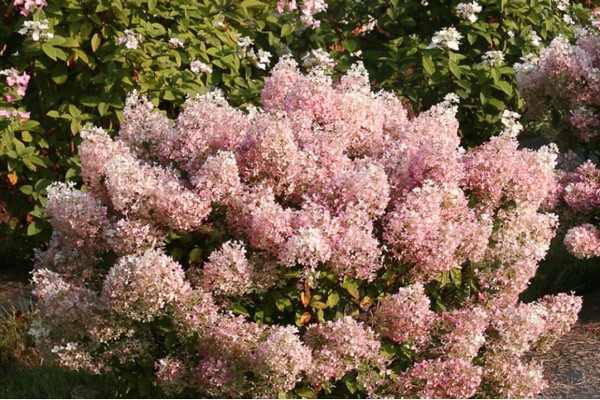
{"x": 51, "y": 382}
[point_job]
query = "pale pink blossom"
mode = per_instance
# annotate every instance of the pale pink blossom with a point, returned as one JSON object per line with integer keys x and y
{"x": 583, "y": 241}
{"x": 27, "y": 5}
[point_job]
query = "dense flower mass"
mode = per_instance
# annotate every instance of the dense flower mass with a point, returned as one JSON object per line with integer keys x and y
{"x": 327, "y": 244}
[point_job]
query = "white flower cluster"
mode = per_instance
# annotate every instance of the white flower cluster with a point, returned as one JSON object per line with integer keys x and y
{"x": 448, "y": 38}
{"x": 562, "y": 5}
{"x": 512, "y": 126}
{"x": 175, "y": 42}
{"x": 38, "y": 331}
{"x": 261, "y": 58}
{"x": 450, "y": 103}
{"x": 198, "y": 67}
{"x": 493, "y": 58}
{"x": 318, "y": 57}
{"x": 468, "y": 11}
{"x": 244, "y": 41}
{"x": 37, "y": 29}
{"x": 534, "y": 38}
{"x": 130, "y": 40}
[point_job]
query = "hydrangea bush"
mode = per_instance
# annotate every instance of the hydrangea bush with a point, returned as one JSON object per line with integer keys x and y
{"x": 327, "y": 244}
{"x": 562, "y": 89}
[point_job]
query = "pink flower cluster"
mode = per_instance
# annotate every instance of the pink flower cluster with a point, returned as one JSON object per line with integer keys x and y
{"x": 341, "y": 346}
{"x": 412, "y": 303}
{"x": 332, "y": 219}
{"x": 27, "y": 5}
{"x": 308, "y": 9}
{"x": 440, "y": 379}
{"x": 580, "y": 194}
{"x": 14, "y": 114}
{"x": 581, "y": 188}
{"x": 583, "y": 241}
{"x": 142, "y": 287}
{"x": 16, "y": 80}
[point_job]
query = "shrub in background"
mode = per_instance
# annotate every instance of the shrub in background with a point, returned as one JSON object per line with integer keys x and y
{"x": 326, "y": 245}
{"x": 562, "y": 89}
{"x": 422, "y": 50}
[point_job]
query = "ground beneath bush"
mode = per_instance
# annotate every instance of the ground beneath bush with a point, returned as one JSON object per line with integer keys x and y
{"x": 15, "y": 291}
{"x": 572, "y": 366}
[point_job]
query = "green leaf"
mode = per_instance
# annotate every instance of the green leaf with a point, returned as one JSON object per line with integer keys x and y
{"x": 168, "y": 95}
{"x": 49, "y": 50}
{"x": 428, "y": 65}
{"x": 351, "y": 287}
{"x": 195, "y": 255}
{"x": 443, "y": 278}
{"x": 471, "y": 37}
{"x": 69, "y": 42}
{"x": 351, "y": 386}
{"x": 89, "y": 101}
{"x": 497, "y": 104}
{"x": 456, "y": 276}
{"x": 306, "y": 393}
{"x": 96, "y": 42}
{"x": 388, "y": 350}
{"x": 26, "y": 136}
{"x": 60, "y": 54}
{"x": 102, "y": 109}
{"x": 34, "y": 228}
{"x": 152, "y": 5}
{"x": 239, "y": 309}
{"x": 56, "y": 40}
{"x": 59, "y": 75}
{"x": 26, "y": 189}
{"x": 504, "y": 86}
{"x": 74, "y": 111}
{"x": 253, "y": 4}
{"x": 333, "y": 299}
{"x": 454, "y": 69}
{"x": 72, "y": 173}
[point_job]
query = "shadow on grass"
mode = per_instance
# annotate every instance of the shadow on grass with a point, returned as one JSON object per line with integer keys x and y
{"x": 52, "y": 382}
